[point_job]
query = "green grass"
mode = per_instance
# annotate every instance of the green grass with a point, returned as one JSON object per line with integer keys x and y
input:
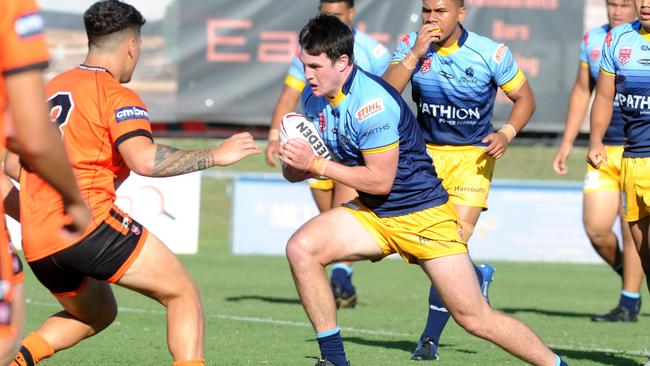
{"x": 253, "y": 316}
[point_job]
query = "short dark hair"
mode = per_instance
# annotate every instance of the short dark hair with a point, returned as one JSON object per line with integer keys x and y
{"x": 110, "y": 16}
{"x": 350, "y": 3}
{"x": 327, "y": 34}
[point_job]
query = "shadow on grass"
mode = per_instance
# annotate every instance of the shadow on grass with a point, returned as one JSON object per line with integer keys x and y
{"x": 273, "y": 300}
{"x": 600, "y": 357}
{"x": 567, "y": 314}
{"x": 407, "y": 346}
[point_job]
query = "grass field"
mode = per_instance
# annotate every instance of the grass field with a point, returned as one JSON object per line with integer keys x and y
{"x": 253, "y": 316}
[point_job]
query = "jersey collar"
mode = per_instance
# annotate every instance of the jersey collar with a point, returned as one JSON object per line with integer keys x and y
{"x": 340, "y": 96}
{"x": 94, "y": 68}
{"x": 447, "y": 51}
{"x": 644, "y": 33}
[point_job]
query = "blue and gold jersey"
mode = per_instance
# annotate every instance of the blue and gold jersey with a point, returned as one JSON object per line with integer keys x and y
{"x": 626, "y": 55}
{"x": 369, "y": 116}
{"x": 455, "y": 87}
{"x": 590, "y": 52}
{"x": 369, "y": 54}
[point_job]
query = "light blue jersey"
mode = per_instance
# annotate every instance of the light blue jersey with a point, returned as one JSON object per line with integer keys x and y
{"x": 455, "y": 87}
{"x": 590, "y": 52}
{"x": 369, "y": 54}
{"x": 369, "y": 116}
{"x": 626, "y": 55}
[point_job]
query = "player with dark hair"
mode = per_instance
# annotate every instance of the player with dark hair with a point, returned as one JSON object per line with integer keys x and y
{"x": 372, "y": 57}
{"x": 624, "y": 75}
{"x": 107, "y": 133}
{"x": 454, "y": 76}
{"x": 23, "y": 56}
{"x": 402, "y": 206}
{"x": 602, "y": 187}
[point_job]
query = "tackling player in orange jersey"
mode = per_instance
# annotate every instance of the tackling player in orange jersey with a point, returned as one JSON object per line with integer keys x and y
{"x": 23, "y": 56}
{"x": 107, "y": 133}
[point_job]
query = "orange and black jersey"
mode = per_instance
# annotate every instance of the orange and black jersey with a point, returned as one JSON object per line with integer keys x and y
{"x": 95, "y": 113}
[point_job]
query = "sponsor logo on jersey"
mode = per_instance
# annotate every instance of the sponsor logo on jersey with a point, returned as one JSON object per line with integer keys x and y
{"x": 450, "y": 112}
{"x": 608, "y": 39}
{"x": 370, "y": 109}
{"x": 407, "y": 39}
{"x": 500, "y": 53}
{"x": 645, "y": 47}
{"x": 469, "y": 76}
{"x": 624, "y": 54}
{"x": 585, "y": 39}
{"x": 426, "y": 65}
{"x": 595, "y": 54}
{"x": 29, "y": 25}
{"x": 131, "y": 112}
{"x": 633, "y": 101}
{"x": 644, "y": 61}
{"x": 321, "y": 121}
{"x": 375, "y": 129}
{"x": 445, "y": 74}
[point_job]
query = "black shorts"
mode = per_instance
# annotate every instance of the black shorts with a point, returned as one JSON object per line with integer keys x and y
{"x": 104, "y": 254}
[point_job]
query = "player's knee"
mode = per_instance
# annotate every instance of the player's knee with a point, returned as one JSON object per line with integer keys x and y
{"x": 104, "y": 316}
{"x": 473, "y": 323}
{"x": 598, "y": 235}
{"x": 298, "y": 249}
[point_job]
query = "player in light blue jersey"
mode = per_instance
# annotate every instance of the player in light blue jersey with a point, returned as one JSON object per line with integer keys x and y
{"x": 454, "y": 76}
{"x": 602, "y": 188}
{"x": 371, "y": 56}
{"x": 402, "y": 206}
{"x": 625, "y": 77}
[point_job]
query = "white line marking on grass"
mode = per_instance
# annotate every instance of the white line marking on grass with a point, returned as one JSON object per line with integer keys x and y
{"x": 379, "y": 332}
{"x": 249, "y": 319}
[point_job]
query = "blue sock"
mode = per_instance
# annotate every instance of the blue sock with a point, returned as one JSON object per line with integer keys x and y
{"x": 559, "y": 361}
{"x": 342, "y": 275}
{"x": 331, "y": 346}
{"x": 630, "y": 301}
{"x": 437, "y": 318}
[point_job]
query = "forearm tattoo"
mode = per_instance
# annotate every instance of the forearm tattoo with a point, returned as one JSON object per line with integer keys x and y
{"x": 171, "y": 161}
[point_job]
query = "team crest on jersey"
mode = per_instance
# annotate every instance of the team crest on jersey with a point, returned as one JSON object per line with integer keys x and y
{"x": 624, "y": 54}
{"x": 595, "y": 54}
{"x": 131, "y": 112}
{"x": 426, "y": 65}
{"x": 370, "y": 109}
{"x": 29, "y": 25}
{"x": 321, "y": 121}
{"x": 586, "y": 39}
{"x": 407, "y": 39}
{"x": 608, "y": 39}
{"x": 500, "y": 53}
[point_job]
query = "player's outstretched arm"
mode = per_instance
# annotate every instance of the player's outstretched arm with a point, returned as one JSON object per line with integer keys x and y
{"x": 289, "y": 97}
{"x": 39, "y": 145}
{"x": 601, "y": 116}
{"x": 578, "y": 104}
{"x": 155, "y": 160}
{"x": 376, "y": 177}
{"x": 522, "y": 111}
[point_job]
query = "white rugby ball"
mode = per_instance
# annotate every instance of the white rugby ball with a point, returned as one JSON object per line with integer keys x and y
{"x": 296, "y": 126}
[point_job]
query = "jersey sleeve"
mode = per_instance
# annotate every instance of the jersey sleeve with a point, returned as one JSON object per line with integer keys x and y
{"x": 607, "y": 58}
{"x": 295, "y": 78}
{"x": 403, "y": 47}
{"x": 506, "y": 72}
{"x": 584, "y": 50}
{"x": 128, "y": 117}
{"x": 377, "y": 123}
{"x": 22, "y": 41}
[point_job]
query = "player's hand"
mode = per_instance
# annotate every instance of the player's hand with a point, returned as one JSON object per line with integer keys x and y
{"x": 497, "y": 144}
{"x": 559, "y": 163}
{"x": 428, "y": 33}
{"x": 272, "y": 150}
{"x": 596, "y": 155}
{"x": 235, "y": 148}
{"x": 297, "y": 154}
{"x": 77, "y": 216}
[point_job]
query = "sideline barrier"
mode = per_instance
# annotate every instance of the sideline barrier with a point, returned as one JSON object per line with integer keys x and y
{"x": 527, "y": 220}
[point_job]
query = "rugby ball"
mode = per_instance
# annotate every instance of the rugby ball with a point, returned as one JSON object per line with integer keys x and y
{"x": 296, "y": 126}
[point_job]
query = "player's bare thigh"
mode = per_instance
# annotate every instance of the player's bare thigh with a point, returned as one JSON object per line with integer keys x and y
{"x": 334, "y": 236}
{"x": 599, "y": 211}
{"x": 468, "y": 217}
{"x": 343, "y": 194}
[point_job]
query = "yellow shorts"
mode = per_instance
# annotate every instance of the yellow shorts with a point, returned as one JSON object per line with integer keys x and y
{"x": 608, "y": 177}
{"x": 466, "y": 173}
{"x": 422, "y": 235}
{"x": 321, "y": 184}
{"x": 636, "y": 188}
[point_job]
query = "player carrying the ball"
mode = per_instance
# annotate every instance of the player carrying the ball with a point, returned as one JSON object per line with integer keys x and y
{"x": 402, "y": 206}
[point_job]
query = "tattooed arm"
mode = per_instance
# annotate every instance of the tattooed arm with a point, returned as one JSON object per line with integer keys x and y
{"x": 154, "y": 160}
